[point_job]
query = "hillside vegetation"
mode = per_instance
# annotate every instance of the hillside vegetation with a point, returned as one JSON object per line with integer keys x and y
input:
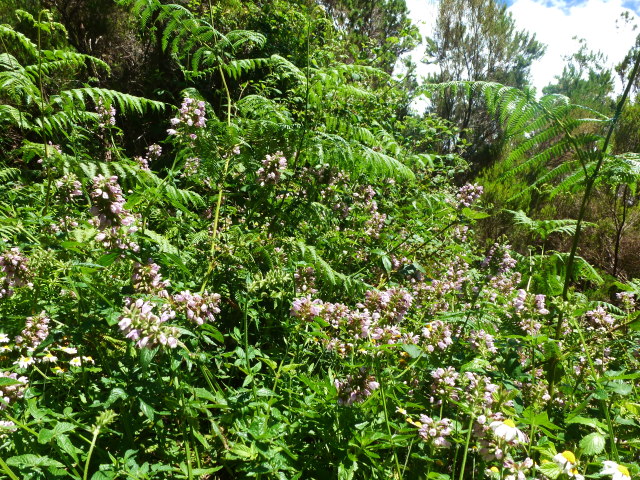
{"x": 230, "y": 249}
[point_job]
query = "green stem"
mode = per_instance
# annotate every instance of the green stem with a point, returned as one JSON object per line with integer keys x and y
{"x": 7, "y": 470}
{"x": 386, "y": 419}
{"x": 216, "y": 217}
{"x": 96, "y": 432}
{"x": 466, "y": 447}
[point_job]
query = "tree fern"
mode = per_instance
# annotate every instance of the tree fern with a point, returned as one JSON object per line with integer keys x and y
{"x": 193, "y": 40}
{"x": 539, "y": 131}
{"x": 544, "y": 228}
{"x": 56, "y": 110}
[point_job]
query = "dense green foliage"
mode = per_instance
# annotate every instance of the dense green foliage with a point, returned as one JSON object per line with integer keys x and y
{"x": 255, "y": 263}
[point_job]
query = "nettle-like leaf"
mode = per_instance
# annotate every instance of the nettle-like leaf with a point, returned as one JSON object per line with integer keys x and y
{"x": 593, "y": 444}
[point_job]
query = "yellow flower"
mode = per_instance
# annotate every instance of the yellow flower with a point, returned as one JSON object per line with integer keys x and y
{"x": 507, "y": 431}
{"x": 75, "y": 362}
{"x": 567, "y": 462}
{"x": 49, "y": 357}
{"x": 617, "y": 471}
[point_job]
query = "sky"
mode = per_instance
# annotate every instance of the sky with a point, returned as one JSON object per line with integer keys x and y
{"x": 555, "y": 23}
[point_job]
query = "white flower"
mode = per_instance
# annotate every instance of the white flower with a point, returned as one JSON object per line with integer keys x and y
{"x": 4, "y": 338}
{"x": 507, "y": 431}
{"x": 75, "y": 362}
{"x": 617, "y": 472}
{"x": 69, "y": 350}
{"x": 24, "y": 362}
{"x": 50, "y": 357}
{"x": 567, "y": 462}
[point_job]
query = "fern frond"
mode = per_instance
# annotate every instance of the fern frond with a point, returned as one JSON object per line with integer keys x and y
{"x": 16, "y": 38}
{"x": 324, "y": 271}
{"x": 264, "y": 109}
{"x": 544, "y": 228}
{"x": 13, "y": 116}
{"x": 164, "y": 245}
{"x": 125, "y": 101}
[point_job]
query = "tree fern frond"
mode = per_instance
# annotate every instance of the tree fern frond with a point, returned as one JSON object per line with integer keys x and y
{"x": 8, "y": 173}
{"x": 544, "y": 228}
{"x": 259, "y": 107}
{"x": 236, "y": 68}
{"x": 17, "y": 38}
{"x": 324, "y": 271}
{"x": 15, "y": 117}
{"x": 125, "y": 101}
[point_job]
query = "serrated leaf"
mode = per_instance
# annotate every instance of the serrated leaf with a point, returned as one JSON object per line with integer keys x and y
{"x": 476, "y": 365}
{"x": 592, "y": 444}
{"x": 67, "y": 446}
{"x": 591, "y": 422}
{"x": 242, "y": 451}
{"x": 30, "y": 460}
{"x": 550, "y": 470}
{"x": 413, "y": 350}
{"x": 621, "y": 388}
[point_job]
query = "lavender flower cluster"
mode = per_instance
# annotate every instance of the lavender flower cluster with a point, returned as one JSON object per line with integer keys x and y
{"x": 271, "y": 170}
{"x": 627, "y": 300}
{"x": 68, "y": 187}
{"x": 435, "y": 296}
{"x": 482, "y": 343}
{"x": 528, "y": 310}
{"x": 356, "y": 388}
{"x": 191, "y": 166}
{"x": 10, "y": 393}
{"x": 35, "y": 331}
{"x": 434, "y": 431}
{"x": 305, "y": 280}
{"x": 198, "y": 308}
{"x": 112, "y": 220}
{"x": 63, "y": 224}
{"x": 599, "y": 320}
{"x": 374, "y": 224}
{"x": 468, "y": 194}
{"x": 147, "y": 279}
{"x": 376, "y": 320}
{"x": 14, "y": 272}
{"x": 7, "y": 427}
{"x": 436, "y": 335}
{"x": 153, "y": 153}
{"x": 502, "y": 280}
{"x": 192, "y": 116}
{"x": 106, "y": 115}
{"x": 140, "y": 323}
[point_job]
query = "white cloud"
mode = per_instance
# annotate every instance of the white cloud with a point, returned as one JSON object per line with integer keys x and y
{"x": 555, "y": 23}
{"x": 597, "y": 21}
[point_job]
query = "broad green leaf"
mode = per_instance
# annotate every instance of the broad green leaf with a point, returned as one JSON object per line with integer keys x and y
{"x": 592, "y": 444}
{"x": 550, "y": 470}
{"x": 30, "y": 460}
{"x": 413, "y": 350}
